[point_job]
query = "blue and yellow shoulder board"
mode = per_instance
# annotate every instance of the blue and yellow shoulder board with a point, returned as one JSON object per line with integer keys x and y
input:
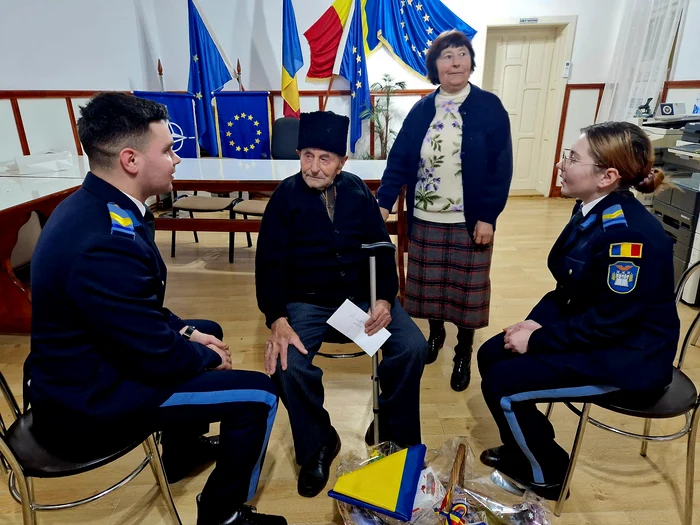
{"x": 613, "y": 216}
{"x": 122, "y": 224}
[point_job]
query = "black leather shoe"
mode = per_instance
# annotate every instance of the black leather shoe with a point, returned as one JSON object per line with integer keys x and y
{"x": 436, "y": 340}
{"x": 241, "y": 515}
{"x": 179, "y": 463}
{"x": 510, "y": 466}
{"x": 493, "y": 457}
{"x": 369, "y": 435}
{"x": 462, "y": 372}
{"x": 314, "y": 474}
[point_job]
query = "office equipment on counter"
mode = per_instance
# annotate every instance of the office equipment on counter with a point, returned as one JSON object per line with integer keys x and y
{"x": 678, "y": 209}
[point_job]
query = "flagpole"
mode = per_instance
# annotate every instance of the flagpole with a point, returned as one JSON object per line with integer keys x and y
{"x": 328, "y": 93}
{"x": 218, "y": 45}
{"x": 238, "y": 75}
{"x": 218, "y": 131}
{"x": 160, "y": 76}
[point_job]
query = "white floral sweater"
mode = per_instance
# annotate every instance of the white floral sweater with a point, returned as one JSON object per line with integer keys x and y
{"x": 439, "y": 194}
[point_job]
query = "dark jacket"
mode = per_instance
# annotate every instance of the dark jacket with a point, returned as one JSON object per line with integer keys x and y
{"x": 611, "y": 316}
{"x": 102, "y": 344}
{"x": 487, "y": 157}
{"x": 304, "y": 257}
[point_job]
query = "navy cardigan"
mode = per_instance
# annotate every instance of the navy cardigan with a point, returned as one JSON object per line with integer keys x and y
{"x": 487, "y": 157}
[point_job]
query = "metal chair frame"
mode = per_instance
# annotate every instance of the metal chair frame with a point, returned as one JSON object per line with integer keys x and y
{"x": 371, "y": 248}
{"x": 690, "y": 428}
{"x": 21, "y": 486}
{"x": 231, "y": 235}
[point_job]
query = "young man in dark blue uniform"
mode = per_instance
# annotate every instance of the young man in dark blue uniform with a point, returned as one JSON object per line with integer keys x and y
{"x": 611, "y": 322}
{"x": 308, "y": 262}
{"x": 108, "y": 361}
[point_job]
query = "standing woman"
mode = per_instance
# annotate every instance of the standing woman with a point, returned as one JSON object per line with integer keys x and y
{"x": 454, "y": 154}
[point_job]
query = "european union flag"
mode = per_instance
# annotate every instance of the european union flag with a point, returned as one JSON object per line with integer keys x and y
{"x": 243, "y": 121}
{"x": 354, "y": 69}
{"x": 182, "y": 120}
{"x": 408, "y": 27}
{"x": 208, "y": 73}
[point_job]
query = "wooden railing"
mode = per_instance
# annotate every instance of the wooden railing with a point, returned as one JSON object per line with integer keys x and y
{"x": 69, "y": 95}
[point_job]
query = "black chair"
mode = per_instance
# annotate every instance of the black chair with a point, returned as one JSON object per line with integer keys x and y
{"x": 679, "y": 399}
{"x": 25, "y": 459}
{"x": 285, "y": 136}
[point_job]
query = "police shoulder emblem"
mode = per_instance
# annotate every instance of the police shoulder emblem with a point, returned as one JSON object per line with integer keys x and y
{"x": 623, "y": 276}
{"x": 614, "y": 216}
{"x": 122, "y": 224}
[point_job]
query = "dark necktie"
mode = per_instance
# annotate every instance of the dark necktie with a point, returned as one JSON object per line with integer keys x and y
{"x": 149, "y": 222}
{"x": 577, "y": 219}
{"x": 572, "y": 228}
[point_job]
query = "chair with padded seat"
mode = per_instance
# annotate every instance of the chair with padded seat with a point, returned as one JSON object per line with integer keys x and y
{"x": 199, "y": 204}
{"x": 25, "y": 459}
{"x": 680, "y": 398}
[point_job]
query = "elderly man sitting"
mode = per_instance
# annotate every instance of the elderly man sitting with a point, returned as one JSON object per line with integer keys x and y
{"x": 308, "y": 262}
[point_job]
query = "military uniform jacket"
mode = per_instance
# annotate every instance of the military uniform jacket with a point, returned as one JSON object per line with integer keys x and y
{"x": 102, "y": 344}
{"x": 612, "y": 315}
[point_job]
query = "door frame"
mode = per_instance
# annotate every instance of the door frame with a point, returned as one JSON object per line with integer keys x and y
{"x": 563, "y": 50}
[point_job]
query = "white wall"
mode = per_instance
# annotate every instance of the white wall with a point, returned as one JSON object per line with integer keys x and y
{"x": 687, "y": 62}
{"x": 114, "y": 44}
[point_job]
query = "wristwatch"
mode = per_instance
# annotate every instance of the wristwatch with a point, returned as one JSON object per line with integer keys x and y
{"x": 188, "y": 332}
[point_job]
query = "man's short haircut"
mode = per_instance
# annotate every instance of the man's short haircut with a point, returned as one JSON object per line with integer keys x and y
{"x": 111, "y": 122}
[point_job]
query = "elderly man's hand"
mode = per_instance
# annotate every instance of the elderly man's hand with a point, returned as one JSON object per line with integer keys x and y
{"x": 385, "y": 213}
{"x": 380, "y": 318}
{"x": 281, "y": 337}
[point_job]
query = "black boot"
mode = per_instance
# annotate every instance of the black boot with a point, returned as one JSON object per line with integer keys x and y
{"x": 462, "y": 371}
{"x": 436, "y": 340}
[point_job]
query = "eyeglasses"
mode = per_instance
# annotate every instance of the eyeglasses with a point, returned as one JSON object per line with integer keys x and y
{"x": 568, "y": 158}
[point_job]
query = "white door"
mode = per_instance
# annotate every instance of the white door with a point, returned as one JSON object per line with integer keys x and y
{"x": 518, "y": 67}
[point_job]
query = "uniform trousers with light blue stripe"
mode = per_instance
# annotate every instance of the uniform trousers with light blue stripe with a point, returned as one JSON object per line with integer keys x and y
{"x": 245, "y": 402}
{"x": 400, "y": 370}
{"x": 512, "y": 385}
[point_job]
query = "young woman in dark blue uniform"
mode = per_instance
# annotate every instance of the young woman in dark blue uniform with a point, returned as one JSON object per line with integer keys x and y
{"x": 611, "y": 322}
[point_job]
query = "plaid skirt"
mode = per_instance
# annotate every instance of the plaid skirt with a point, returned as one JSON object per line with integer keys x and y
{"x": 448, "y": 275}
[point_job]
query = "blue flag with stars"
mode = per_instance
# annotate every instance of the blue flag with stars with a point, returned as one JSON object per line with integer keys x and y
{"x": 208, "y": 73}
{"x": 244, "y": 124}
{"x": 354, "y": 69}
{"x": 182, "y": 120}
{"x": 408, "y": 27}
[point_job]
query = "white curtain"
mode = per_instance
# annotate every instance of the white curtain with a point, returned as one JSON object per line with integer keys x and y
{"x": 641, "y": 58}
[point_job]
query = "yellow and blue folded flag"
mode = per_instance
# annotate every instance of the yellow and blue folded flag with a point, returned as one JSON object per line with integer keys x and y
{"x": 387, "y": 486}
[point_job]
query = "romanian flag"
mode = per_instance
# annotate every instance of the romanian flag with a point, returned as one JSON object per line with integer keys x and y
{"x": 324, "y": 39}
{"x": 291, "y": 60}
{"x": 626, "y": 249}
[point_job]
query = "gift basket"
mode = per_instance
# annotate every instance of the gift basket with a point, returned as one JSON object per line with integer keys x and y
{"x": 445, "y": 490}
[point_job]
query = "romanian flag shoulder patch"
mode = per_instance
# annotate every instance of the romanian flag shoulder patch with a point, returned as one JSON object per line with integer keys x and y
{"x": 614, "y": 216}
{"x": 626, "y": 249}
{"x": 122, "y": 223}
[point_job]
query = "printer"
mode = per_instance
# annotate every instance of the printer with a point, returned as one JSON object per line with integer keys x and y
{"x": 678, "y": 206}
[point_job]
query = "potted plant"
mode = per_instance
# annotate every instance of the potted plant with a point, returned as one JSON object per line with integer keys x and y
{"x": 380, "y": 114}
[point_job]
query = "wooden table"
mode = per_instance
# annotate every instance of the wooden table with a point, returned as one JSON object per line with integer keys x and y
{"x": 20, "y": 196}
{"x": 233, "y": 175}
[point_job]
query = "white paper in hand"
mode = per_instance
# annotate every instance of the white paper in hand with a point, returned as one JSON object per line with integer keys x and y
{"x": 350, "y": 321}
